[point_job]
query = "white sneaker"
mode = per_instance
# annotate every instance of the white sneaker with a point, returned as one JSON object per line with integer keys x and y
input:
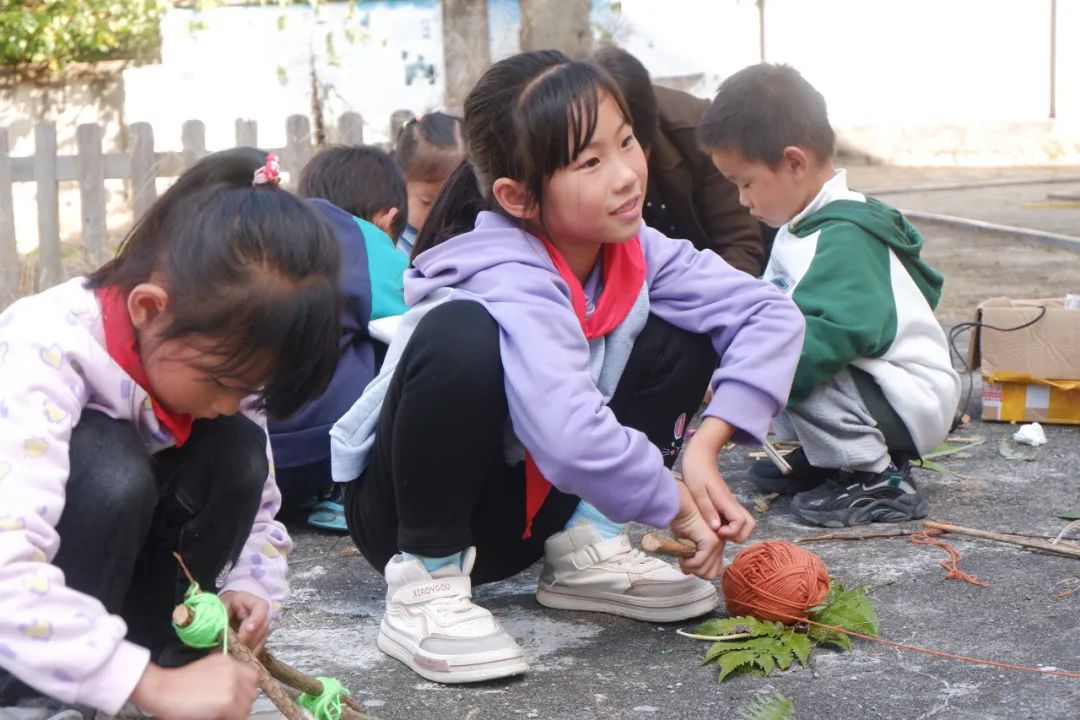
{"x": 583, "y": 572}
{"x": 432, "y": 625}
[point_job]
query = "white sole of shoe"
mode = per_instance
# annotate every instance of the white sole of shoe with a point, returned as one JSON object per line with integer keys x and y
{"x": 646, "y": 609}
{"x": 451, "y": 669}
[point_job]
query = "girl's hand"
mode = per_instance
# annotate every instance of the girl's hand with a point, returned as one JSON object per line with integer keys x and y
{"x": 250, "y": 616}
{"x": 715, "y": 502}
{"x": 216, "y": 687}
{"x": 708, "y": 563}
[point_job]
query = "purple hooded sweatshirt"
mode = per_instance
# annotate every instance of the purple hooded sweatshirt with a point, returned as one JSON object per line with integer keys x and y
{"x": 557, "y": 410}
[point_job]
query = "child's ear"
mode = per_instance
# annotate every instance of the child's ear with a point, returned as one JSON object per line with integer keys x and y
{"x": 797, "y": 160}
{"x": 515, "y": 199}
{"x": 384, "y": 220}
{"x": 146, "y": 303}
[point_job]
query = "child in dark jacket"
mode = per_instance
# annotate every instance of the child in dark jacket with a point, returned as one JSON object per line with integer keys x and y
{"x": 360, "y": 194}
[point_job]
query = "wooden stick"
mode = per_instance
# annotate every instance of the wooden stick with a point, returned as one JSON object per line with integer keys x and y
{"x": 857, "y": 535}
{"x": 664, "y": 545}
{"x": 1030, "y": 543}
{"x": 310, "y": 685}
{"x": 183, "y": 616}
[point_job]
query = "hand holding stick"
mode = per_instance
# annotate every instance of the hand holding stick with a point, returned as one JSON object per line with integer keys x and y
{"x": 183, "y": 616}
{"x": 664, "y": 545}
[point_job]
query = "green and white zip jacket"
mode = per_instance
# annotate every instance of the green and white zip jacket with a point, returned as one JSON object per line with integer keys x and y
{"x": 851, "y": 264}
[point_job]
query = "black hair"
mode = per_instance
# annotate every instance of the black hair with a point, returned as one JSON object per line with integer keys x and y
{"x": 764, "y": 108}
{"x": 359, "y": 179}
{"x": 429, "y": 148}
{"x": 252, "y": 269}
{"x": 637, "y": 88}
{"x": 527, "y": 117}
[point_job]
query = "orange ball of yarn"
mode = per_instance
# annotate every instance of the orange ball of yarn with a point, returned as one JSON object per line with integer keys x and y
{"x": 775, "y": 580}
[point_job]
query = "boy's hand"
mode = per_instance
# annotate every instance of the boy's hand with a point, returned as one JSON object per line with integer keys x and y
{"x": 708, "y": 562}
{"x": 250, "y": 617}
{"x": 216, "y": 687}
{"x": 717, "y": 505}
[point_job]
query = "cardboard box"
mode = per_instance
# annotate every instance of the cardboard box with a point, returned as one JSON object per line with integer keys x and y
{"x": 1029, "y": 352}
{"x": 1030, "y": 402}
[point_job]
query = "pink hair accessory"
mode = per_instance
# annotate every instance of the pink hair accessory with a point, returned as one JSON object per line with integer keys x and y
{"x": 270, "y": 173}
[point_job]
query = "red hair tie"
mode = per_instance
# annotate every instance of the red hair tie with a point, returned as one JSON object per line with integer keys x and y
{"x": 268, "y": 174}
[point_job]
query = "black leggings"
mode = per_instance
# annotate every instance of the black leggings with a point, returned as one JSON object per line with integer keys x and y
{"x": 437, "y": 480}
{"x": 126, "y": 511}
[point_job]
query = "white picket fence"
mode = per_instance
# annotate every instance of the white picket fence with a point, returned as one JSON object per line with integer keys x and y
{"x": 90, "y": 167}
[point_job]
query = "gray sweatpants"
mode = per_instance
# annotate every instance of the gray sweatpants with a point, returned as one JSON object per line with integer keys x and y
{"x": 835, "y": 428}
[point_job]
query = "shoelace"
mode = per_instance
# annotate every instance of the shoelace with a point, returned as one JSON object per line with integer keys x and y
{"x": 453, "y": 606}
{"x": 635, "y": 560}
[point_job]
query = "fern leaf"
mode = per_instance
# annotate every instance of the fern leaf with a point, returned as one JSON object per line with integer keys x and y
{"x": 800, "y": 645}
{"x": 823, "y": 636}
{"x": 765, "y": 662}
{"x": 768, "y": 707}
{"x": 733, "y": 661}
{"x": 849, "y": 609}
{"x": 742, "y": 625}
{"x": 783, "y": 654}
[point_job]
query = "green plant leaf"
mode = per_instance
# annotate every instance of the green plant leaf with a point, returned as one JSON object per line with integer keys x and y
{"x": 731, "y": 662}
{"x": 741, "y": 625}
{"x": 768, "y": 707}
{"x": 800, "y": 645}
{"x": 821, "y": 636}
{"x": 1012, "y": 451}
{"x": 848, "y": 609}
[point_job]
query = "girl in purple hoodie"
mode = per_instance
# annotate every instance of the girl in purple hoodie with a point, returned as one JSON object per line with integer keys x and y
{"x": 536, "y": 393}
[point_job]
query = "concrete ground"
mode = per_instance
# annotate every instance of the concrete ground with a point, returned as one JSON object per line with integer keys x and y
{"x": 594, "y": 666}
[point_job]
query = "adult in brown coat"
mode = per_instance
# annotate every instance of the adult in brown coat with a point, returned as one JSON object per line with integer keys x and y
{"x": 687, "y": 197}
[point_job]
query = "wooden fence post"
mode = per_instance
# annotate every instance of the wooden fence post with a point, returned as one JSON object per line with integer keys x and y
{"x": 193, "y": 139}
{"x": 92, "y": 193}
{"x": 350, "y": 129}
{"x": 398, "y": 118}
{"x": 247, "y": 133}
{"x": 48, "y": 205}
{"x": 297, "y": 145}
{"x": 143, "y": 170}
{"x": 9, "y": 253}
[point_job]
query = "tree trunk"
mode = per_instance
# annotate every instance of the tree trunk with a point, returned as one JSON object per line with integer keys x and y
{"x": 556, "y": 24}
{"x": 466, "y": 47}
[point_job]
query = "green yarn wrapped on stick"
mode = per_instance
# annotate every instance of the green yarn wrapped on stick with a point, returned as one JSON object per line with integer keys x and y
{"x": 209, "y": 627}
{"x": 327, "y": 704}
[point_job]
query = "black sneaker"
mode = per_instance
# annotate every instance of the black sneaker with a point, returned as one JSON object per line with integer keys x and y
{"x": 803, "y": 476}
{"x": 857, "y": 498}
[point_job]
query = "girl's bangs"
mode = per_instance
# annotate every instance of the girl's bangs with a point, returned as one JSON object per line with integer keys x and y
{"x": 560, "y": 114}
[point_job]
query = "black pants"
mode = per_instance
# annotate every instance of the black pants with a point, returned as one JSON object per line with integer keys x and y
{"x": 437, "y": 480}
{"x": 127, "y": 511}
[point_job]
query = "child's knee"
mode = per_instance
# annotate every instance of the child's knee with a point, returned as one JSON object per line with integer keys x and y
{"x": 463, "y": 341}
{"x": 244, "y": 444}
{"x": 111, "y": 467}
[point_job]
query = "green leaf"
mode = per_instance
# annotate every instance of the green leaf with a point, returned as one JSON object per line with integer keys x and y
{"x": 1069, "y": 515}
{"x": 953, "y": 448}
{"x": 821, "y": 636}
{"x": 848, "y": 609}
{"x": 733, "y": 661}
{"x": 800, "y": 645}
{"x": 1012, "y": 451}
{"x": 742, "y": 625}
{"x": 768, "y": 707}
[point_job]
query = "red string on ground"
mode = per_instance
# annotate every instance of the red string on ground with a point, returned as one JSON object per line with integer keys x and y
{"x": 952, "y": 564}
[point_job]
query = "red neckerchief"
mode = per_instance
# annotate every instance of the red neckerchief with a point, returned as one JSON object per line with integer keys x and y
{"x": 123, "y": 348}
{"x": 623, "y": 276}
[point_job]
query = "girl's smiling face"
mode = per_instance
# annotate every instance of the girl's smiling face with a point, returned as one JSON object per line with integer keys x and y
{"x": 598, "y": 197}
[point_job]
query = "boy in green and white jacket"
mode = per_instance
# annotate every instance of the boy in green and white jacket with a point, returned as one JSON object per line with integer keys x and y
{"x": 874, "y": 386}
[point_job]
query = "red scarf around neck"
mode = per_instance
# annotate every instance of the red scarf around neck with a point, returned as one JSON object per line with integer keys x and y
{"x": 623, "y": 276}
{"x": 123, "y": 347}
